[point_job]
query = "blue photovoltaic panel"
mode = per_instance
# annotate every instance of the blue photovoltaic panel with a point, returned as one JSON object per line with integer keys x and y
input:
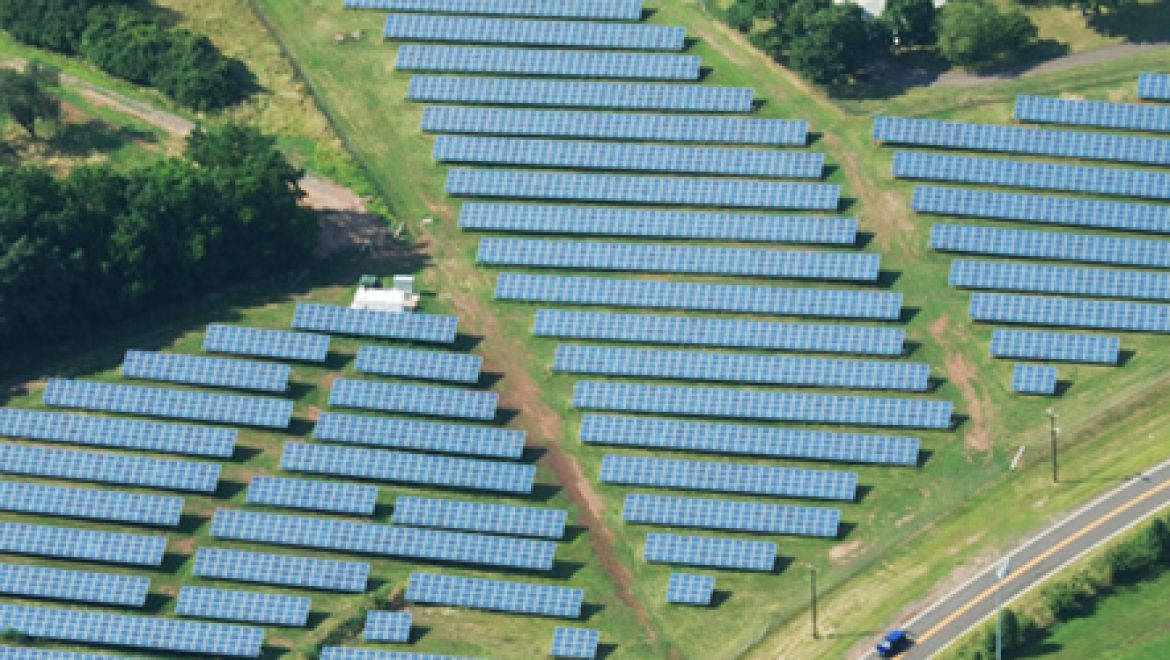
{"x": 751, "y": 404}
{"x": 728, "y": 477}
{"x": 518, "y": 597}
{"x": 1050, "y": 245}
{"x": 81, "y": 544}
{"x": 1013, "y": 139}
{"x": 251, "y": 607}
{"x": 738, "y": 368}
{"x": 1154, "y": 86}
{"x": 1007, "y": 276}
{"x": 313, "y": 495}
{"x": 579, "y": 94}
{"x": 1034, "y": 379}
{"x": 157, "y": 402}
{"x": 303, "y": 572}
{"x": 689, "y": 589}
{"x": 1056, "y": 346}
{"x": 748, "y": 262}
{"x": 367, "y": 323}
{"x": 615, "y": 126}
{"x": 681, "y": 330}
{"x": 739, "y": 439}
{"x": 710, "y": 551}
{"x": 1040, "y": 209}
{"x": 387, "y": 626}
{"x": 477, "y": 517}
{"x": 259, "y": 342}
{"x": 149, "y": 632}
{"x": 420, "y": 436}
{"x": 618, "y": 10}
{"x": 595, "y": 155}
{"x": 109, "y": 468}
{"x": 542, "y": 62}
{"x": 76, "y": 586}
{"x": 670, "y": 191}
{"x": 829, "y": 303}
{"x": 575, "y": 643}
{"x": 651, "y": 223}
{"x": 107, "y": 505}
{"x": 382, "y": 465}
{"x": 426, "y": 365}
{"x": 353, "y": 653}
{"x": 413, "y": 399}
{"x": 1070, "y": 312}
{"x": 207, "y": 371}
{"x": 1099, "y": 114}
{"x": 569, "y": 34}
{"x": 119, "y": 433}
{"x": 25, "y": 653}
{"x": 730, "y": 515}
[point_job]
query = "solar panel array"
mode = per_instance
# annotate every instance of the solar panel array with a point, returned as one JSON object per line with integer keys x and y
{"x": 615, "y": 126}
{"x": 672, "y": 191}
{"x": 366, "y": 323}
{"x": 730, "y": 515}
{"x": 575, "y": 643}
{"x": 109, "y": 468}
{"x": 650, "y": 223}
{"x": 422, "y": 436}
{"x": 81, "y": 544}
{"x": 76, "y": 586}
{"x": 150, "y": 632}
{"x": 1099, "y": 114}
{"x": 733, "y": 439}
{"x": 395, "y": 397}
{"x": 518, "y": 597}
{"x": 674, "y": 259}
{"x": 579, "y": 94}
{"x": 1154, "y": 86}
{"x": 730, "y": 367}
{"x": 385, "y": 465}
{"x": 181, "y": 404}
{"x": 728, "y": 478}
{"x": 710, "y": 551}
{"x": 354, "y": 653}
{"x": 427, "y": 365}
{"x": 112, "y": 506}
{"x": 261, "y": 342}
{"x": 830, "y": 303}
{"x": 387, "y": 626}
{"x": 1072, "y": 313}
{"x": 680, "y": 330}
{"x": 207, "y": 371}
{"x": 1050, "y": 245}
{"x": 26, "y": 653}
{"x": 571, "y": 34}
{"x": 284, "y": 570}
{"x": 313, "y": 495}
{"x": 750, "y": 404}
{"x": 1034, "y": 379}
{"x": 541, "y": 62}
{"x": 689, "y": 589}
{"x": 477, "y": 517}
{"x": 1057, "y": 346}
{"x": 119, "y": 433}
{"x": 625, "y": 10}
{"x": 1054, "y": 279}
{"x": 268, "y": 609}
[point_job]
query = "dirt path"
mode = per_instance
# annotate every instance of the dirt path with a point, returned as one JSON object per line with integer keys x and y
{"x": 1107, "y": 54}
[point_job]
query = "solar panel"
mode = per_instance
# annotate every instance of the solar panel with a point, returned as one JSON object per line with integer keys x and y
{"x": 181, "y": 404}
{"x": 412, "y": 399}
{"x": 477, "y": 517}
{"x": 207, "y": 371}
{"x": 150, "y": 632}
{"x": 1099, "y": 114}
{"x": 119, "y": 433}
{"x": 303, "y": 572}
{"x": 251, "y": 607}
{"x": 624, "y": 10}
{"x": 76, "y": 586}
{"x": 575, "y": 643}
{"x": 1154, "y": 86}
{"x": 650, "y": 223}
{"x": 752, "y": 404}
{"x": 675, "y": 259}
{"x": 107, "y": 505}
{"x": 427, "y": 365}
{"x": 579, "y": 94}
{"x": 728, "y": 478}
{"x": 385, "y": 325}
{"x": 387, "y": 626}
{"x": 81, "y": 544}
{"x": 109, "y": 468}
{"x": 1056, "y": 346}
{"x": 1043, "y": 176}
{"x": 570, "y": 34}
{"x": 313, "y": 495}
{"x": 1072, "y": 313}
{"x": 1050, "y": 245}
{"x": 682, "y": 330}
{"x": 670, "y": 190}
{"x": 710, "y": 551}
{"x": 1054, "y": 279}
{"x": 375, "y": 539}
{"x": 517, "y": 597}
{"x": 352, "y": 653}
{"x": 829, "y": 303}
{"x": 1034, "y": 379}
{"x": 258, "y": 342}
{"x": 543, "y": 62}
{"x": 25, "y": 653}
{"x": 689, "y": 589}
{"x": 420, "y": 436}
{"x": 738, "y": 368}
{"x": 730, "y": 516}
{"x": 615, "y": 126}
{"x": 385, "y": 465}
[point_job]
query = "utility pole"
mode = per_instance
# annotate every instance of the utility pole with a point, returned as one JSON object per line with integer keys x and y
{"x": 1000, "y": 574}
{"x": 1054, "y": 431}
{"x": 812, "y": 575}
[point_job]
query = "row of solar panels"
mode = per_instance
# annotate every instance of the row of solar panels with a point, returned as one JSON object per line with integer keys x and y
{"x": 1090, "y": 248}
{"x": 141, "y": 471}
{"x": 1033, "y": 278}
{"x": 1034, "y": 379}
{"x": 1070, "y": 313}
{"x": 728, "y": 477}
{"x": 89, "y": 504}
{"x": 533, "y": 32}
{"x": 730, "y": 515}
{"x": 1098, "y": 114}
{"x": 421, "y": 436}
{"x": 414, "y": 399}
{"x": 544, "y": 62}
{"x": 1154, "y": 86}
{"x": 579, "y": 94}
{"x": 625, "y": 10}
{"x": 117, "y": 433}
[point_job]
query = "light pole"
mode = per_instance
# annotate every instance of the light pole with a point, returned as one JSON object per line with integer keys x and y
{"x": 1000, "y": 573}
{"x": 812, "y": 576}
{"x": 1054, "y": 431}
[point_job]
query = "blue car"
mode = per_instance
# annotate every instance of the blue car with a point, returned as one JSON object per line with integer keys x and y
{"x": 894, "y": 643}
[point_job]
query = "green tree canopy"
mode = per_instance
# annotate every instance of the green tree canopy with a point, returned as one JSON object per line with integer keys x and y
{"x": 23, "y": 97}
{"x": 836, "y": 42}
{"x": 974, "y": 33}
{"x": 913, "y": 22}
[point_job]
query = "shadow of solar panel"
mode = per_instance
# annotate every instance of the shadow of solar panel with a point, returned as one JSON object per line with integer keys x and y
{"x": 109, "y": 468}
{"x": 258, "y": 342}
{"x": 352, "y": 653}
{"x": 120, "y": 433}
{"x": 1056, "y": 279}
{"x": 76, "y": 586}
{"x": 90, "y": 504}
{"x": 579, "y": 94}
{"x": 81, "y": 544}
{"x": 688, "y": 589}
{"x": 544, "y": 62}
{"x": 710, "y": 551}
{"x": 625, "y": 10}
{"x": 728, "y": 478}
{"x": 427, "y": 365}
{"x": 731, "y": 515}
{"x": 268, "y": 609}
{"x": 476, "y": 517}
{"x": 210, "y": 372}
{"x": 421, "y": 436}
{"x": 1154, "y": 86}
{"x": 1073, "y": 313}
{"x": 1058, "y": 346}
{"x": 517, "y": 597}
{"x": 284, "y": 570}
{"x": 575, "y": 643}
{"x": 387, "y": 626}
{"x": 1099, "y": 114}
{"x": 572, "y": 34}
{"x": 394, "y": 397}
{"x": 313, "y": 495}
{"x": 25, "y": 653}
{"x": 1050, "y": 245}
{"x": 1034, "y": 379}
{"x": 384, "y": 325}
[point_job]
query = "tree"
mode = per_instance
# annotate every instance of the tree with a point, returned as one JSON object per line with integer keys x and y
{"x": 125, "y": 42}
{"x": 913, "y": 22}
{"x": 742, "y": 16}
{"x": 23, "y": 98}
{"x": 973, "y": 33}
{"x": 838, "y": 41}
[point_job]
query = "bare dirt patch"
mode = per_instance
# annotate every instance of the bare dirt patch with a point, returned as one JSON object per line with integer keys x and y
{"x": 903, "y": 520}
{"x": 843, "y": 552}
{"x": 312, "y": 413}
{"x": 963, "y": 373}
{"x": 883, "y": 211}
{"x": 184, "y": 546}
